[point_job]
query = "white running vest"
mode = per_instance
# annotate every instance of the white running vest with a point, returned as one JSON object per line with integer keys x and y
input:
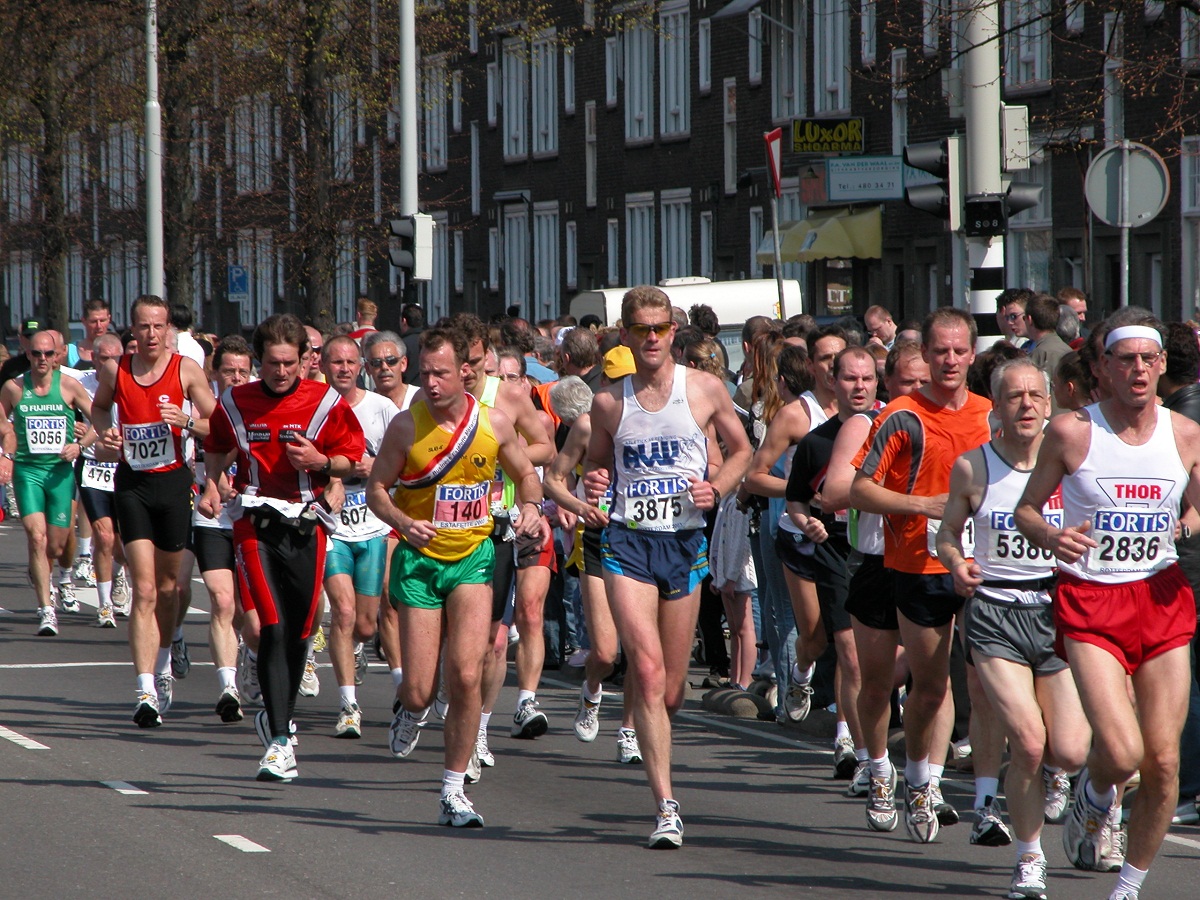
{"x": 1002, "y": 552}
{"x": 866, "y": 529}
{"x": 816, "y": 416}
{"x": 355, "y": 521}
{"x": 1133, "y": 516}
{"x": 654, "y": 455}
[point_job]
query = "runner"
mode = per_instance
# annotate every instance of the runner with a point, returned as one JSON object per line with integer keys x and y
{"x": 39, "y": 452}
{"x": 97, "y": 320}
{"x": 443, "y": 450}
{"x": 1124, "y": 611}
{"x": 904, "y": 471}
{"x": 289, "y": 436}
{"x": 153, "y": 488}
{"x": 648, "y": 441}
{"x": 1009, "y": 628}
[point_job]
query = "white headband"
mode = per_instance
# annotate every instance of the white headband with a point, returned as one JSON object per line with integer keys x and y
{"x": 1132, "y": 331}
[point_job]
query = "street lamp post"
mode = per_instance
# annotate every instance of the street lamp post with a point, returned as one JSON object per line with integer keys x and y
{"x": 154, "y": 201}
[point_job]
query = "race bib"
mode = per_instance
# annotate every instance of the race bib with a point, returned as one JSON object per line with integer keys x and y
{"x": 354, "y": 510}
{"x": 46, "y": 434}
{"x": 496, "y": 495}
{"x": 148, "y": 446}
{"x": 1129, "y": 540}
{"x": 98, "y": 475}
{"x": 1008, "y": 546}
{"x": 461, "y": 505}
{"x": 968, "y": 537}
{"x": 655, "y": 503}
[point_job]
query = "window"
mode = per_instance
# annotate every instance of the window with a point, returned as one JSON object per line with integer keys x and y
{"x": 1026, "y": 43}
{"x": 515, "y": 248}
{"x": 676, "y": 233}
{"x": 493, "y": 93}
{"x": 20, "y": 181}
{"x": 476, "y": 190}
{"x": 675, "y": 73}
{"x": 345, "y": 288}
{"x": 198, "y": 152}
{"x": 569, "y": 80}
{"x": 434, "y": 112}
{"x": 515, "y": 87}
{"x": 73, "y": 174}
{"x": 899, "y": 101}
{"x": 253, "y": 133}
{"x": 22, "y": 285}
{"x": 831, "y": 56}
{"x": 341, "y": 130}
{"x": 1189, "y": 39}
{"x": 1189, "y": 176}
{"x": 545, "y": 259}
{"x": 459, "y": 260}
{"x": 1030, "y": 247}
{"x": 612, "y": 233}
{"x": 1114, "y": 90}
{"x": 612, "y": 70}
{"x": 638, "y": 38}
{"x": 1189, "y": 203}
{"x": 77, "y": 282}
{"x": 119, "y": 162}
{"x": 1152, "y": 10}
{"x": 867, "y": 29}
{"x": 756, "y": 239}
{"x": 544, "y": 78}
{"x": 437, "y": 294}
{"x": 494, "y": 258}
{"x": 704, "y": 54}
{"x": 932, "y": 12}
{"x": 124, "y": 277}
{"x": 788, "y": 58}
{"x": 473, "y": 27}
{"x": 754, "y": 32}
{"x": 456, "y": 81}
{"x": 589, "y": 153}
{"x": 707, "y": 234}
{"x": 729, "y": 115}
{"x": 571, "y": 251}
{"x": 1073, "y": 20}
{"x": 639, "y": 238}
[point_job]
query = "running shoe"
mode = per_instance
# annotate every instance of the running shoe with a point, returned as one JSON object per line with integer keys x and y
{"x": 404, "y": 733}
{"x": 629, "y": 753}
{"x": 881, "y": 802}
{"x": 1029, "y": 878}
{"x": 482, "y": 750}
{"x": 349, "y": 723}
{"x": 310, "y": 684}
{"x": 1112, "y": 856}
{"x": 248, "y": 675}
{"x": 47, "y": 621}
{"x": 441, "y": 703}
{"x": 844, "y": 760}
{"x": 83, "y": 570}
{"x": 229, "y": 705}
{"x": 181, "y": 663}
{"x": 1123, "y": 895}
{"x": 668, "y": 830}
{"x": 989, "y": 829}
{"x": 1058, "y": 795}
{"x": 145, "y": 713}
{"x": 587, "y": 719}
{"x": 529, "y": 722}
{"x": 66, "y": 597}
{"x": 165, "y": 685}
{"x": 474, "y": 769}
{"x": 105, "y": 617}
{"x": 920, "y": 820}
{"x": 1186, "y": 813}
{"x": 457, "y": 812}
{"x": 860, "y": 783}
{"x": 946, "y": 814}
{"x": 1085, "y": 834}
{"x": 377, "y": 646}
{"x": 319, "y": 642}
{"x": 360, "y": 663}
{"x": 122, "y": 598}
{"x": 797, "y": 701}
{"x": 278, "y": 763}
{"x": 262, "y": 727}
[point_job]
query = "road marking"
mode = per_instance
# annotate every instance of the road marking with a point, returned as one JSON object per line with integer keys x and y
{"x": 1187, "y": 842}
{"x": 82, "y": 665}
{"x": 123, "y": 787}
{"x": 237, "y": 842}
{"x": 20, "y": 740}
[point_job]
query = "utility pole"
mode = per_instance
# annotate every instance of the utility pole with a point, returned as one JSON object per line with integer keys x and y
{"x": 154, "y": 202}
{"x": 408, "y": 108}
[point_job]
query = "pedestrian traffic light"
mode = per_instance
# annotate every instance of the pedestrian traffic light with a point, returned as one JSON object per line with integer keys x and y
{"x": 415, "y": 253}
{"x": 942, "y": 159}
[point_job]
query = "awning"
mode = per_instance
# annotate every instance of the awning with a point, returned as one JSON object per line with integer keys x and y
{"x": 735, "y": 8}
{"x": 829, "y": 234}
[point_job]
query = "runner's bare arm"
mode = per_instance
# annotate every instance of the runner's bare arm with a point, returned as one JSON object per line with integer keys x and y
{"x": 9, "y": 397}
{"x": 524, "y": 416}
{"x": 515, "y": 462}
{"x": 557, "y": 477}
{"x": 393, "y": 454}
{"x": 1070, "y": 542}
{"x": 868, "y": 496}
{"x": 1187, "y": 440}
{"x": 965, "y": 492}
{"x": 215, "y": 466}
{"x": 106, "y": 383}
{"x": 729, "y": 429}
{"x": 597, "y": 465}
{"x": 835, "y": 491}
{"x": 788, "y": 427}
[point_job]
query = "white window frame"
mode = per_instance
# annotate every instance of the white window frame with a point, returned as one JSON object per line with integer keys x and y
{"x": 456, "y": 106}
{"x": 459, "y": 260}
{"x": 514, "y": 251}
{"x": 589, "y": 153}
{"x": 704, "y": 55}
{"x": 612, "y": 236}
{"x": 569, "y": 80}
{"x": 612, "y": 70}
{"x": 640, "y": 238}
{"x": 494, "y": 259}
{"x": 675, "y": 222}
{"x": 1026, "y": 43}
{"x": 1189, "y": 39}
{"x": 77, "y": 281}
{"x": 20, "y": 181}
{"x": 729, "y": 126}
{"x": 345, "y": 272}
{"x": 473, "y": 27}
{"x": 22, "y": 285}
{"x": 756, "y": 229}
{"x": 1152, "y": 10}
{"x": 493, "y": 93}
{"x": 754, "y": 43}
{"x": 707, "y": 240}
{"x": 546, "y": 276}
{"x": 789, "y": 59}
{"x": 1114, "y": 91}
{"x": 514, "y": 85}
{"x": 1189, "y": 175}
{"x": 571, "y": 254}
{"x": 868, "y": 28}
{"x": 1073, "y": 18}
{"x": 674, "y": 70}
{"x": 932, "y": 12}
{"x": 74, "y": 169}
{"x": 437, "y": 289}
{"x": 476, "y": 185}
{"x": 1189, "y": 208}
{"x": 831, "y": 57}
{"x": 899, "y": 67}
{"x": 434, "y": 111}
{"x": 341, "y": 130}
{"x": 637, "y": 38}
{"x": 543, "y": 79}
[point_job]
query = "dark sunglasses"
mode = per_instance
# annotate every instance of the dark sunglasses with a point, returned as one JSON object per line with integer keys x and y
{"x": 43, "y": 354}
{"x": 384, "y": 361}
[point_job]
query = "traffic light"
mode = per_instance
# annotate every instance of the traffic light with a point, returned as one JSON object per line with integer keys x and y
{"x": 415, "y": 253}
{"x": 943, "y": 160}
{"x": 987, "y": 215}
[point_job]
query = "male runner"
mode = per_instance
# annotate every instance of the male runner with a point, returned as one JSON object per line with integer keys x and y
{"x": 904, "y": 471}
{"x": 1009, "y": 628}
{"x": 97, "y": 320}
{"x": 39, "y": 452}
{"x": 443, "y": 451}
{"x": 1124, "y": 611}
{"x": 649, "y": 442}
{"x": 153, "y": 488}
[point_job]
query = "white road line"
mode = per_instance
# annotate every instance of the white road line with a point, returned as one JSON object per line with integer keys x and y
{"x": 123, "y": 787}
{"x": 20, "y": 740}
{"x": 78, "y": 665}
{"x": 237, "y": 842}
{"x": 1187, "y": 842}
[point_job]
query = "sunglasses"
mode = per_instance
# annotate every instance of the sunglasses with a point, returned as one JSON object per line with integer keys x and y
{"x": 641, "y": 330}
{"x": 43, "y": 354}
{"x": 317, "y": 349}
{"x": 384, "y": 361}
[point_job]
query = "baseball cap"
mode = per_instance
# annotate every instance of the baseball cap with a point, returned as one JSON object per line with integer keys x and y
{"x": 618, "y": 362}
{"x": 30, "y": 327}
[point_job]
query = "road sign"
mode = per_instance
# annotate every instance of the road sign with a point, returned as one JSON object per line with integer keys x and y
{"x": 774, "y": 141}
{"x": 1149, "y": 185}
{"x": 239, "y": 284}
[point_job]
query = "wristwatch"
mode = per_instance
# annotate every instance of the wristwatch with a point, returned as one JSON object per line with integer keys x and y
{"x": 328, "y": 467}
{"x": 191, "y": 423}
{"x": 716, "y": 498}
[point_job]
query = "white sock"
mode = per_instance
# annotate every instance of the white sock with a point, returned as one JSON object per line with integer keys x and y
{"x": 104, "y": 593}
{"x": 804, "y": 677}
{"x": 398, "y": 676}
{"x": 346, "y": 692}
{"x": 64, "y": 575}
{"x": 936, "y": 772}
{"x": 85, "y": 546}
{"x": 1130, "y": 879}
{"x": 162, "y": 663}
{"x": 227, "y": 676}
{"x": 522, "y": 696}
{"x": 984, "y": 788}
{"x": 1099, "y": 801}
{"x": 916, "y": 772}
{"x": 841, "y": 731}
{"x": 145, "y": 683}
{"x": 452, "y": 781}
{"x": 484, "y": 718}
{"x": 881, "y": 768}
{"x": 592, "y": 697}
{"x": 861, "y": 754}
{"x": 1033, "y": 847}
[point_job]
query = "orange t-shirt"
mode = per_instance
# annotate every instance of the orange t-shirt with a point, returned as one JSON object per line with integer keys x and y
{"x": 911, "y": 448}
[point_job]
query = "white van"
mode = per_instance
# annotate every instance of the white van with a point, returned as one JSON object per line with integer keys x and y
{"x": 733, "y": 301}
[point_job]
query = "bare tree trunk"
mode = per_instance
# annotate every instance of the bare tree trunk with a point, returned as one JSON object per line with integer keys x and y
{"x": 47, "y": 100}
{"x": 179, "y": 207}
{"x": 316, "y": 227}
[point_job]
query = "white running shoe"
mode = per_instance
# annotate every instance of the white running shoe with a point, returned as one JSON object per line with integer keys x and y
{"x": 403, "y": 733}
{"x": 482, "y": 750}
{"x": 989, "y": 829}
{"x": 797, "y": 702}
{"x": 1029, "y": 878}
{"x": 474, "y": 769}
{"x": 181, "y": 663}
{"x": 165, "y": 685}
{"x": 844, "y": 760}
{"x": 278, "y": 763}
{"x": 262, "y": 727}
{"x": 920, "y": 820}
{"x": 310, "y": 684}
{"x": 229, "y": 705}
{"x": 629, "y": 753}
{"x": 66, "y": 597}
{"x": 122, "y": 597}
{"x": 83, "y": 570}
{"x": 587, "y": 719}
{"x": 1086, "y": 835}
{"x": 860, "y": 782}
{"x": 441, "y": 703}
{"x": 145, "y": 713}
{"x": 881, "y": 802}
{"x": 668, "y": 830}
{"x": 47, "y": 621}
{"x": 529, "y": 722}
{"x": 1058, "y": 795}
{"x": 248, "y": 675}
{"x": 349, "y": 723}
{"x": 105, "y": 617}
{"x": 457, "y": 812}
{"x": 360, "y": 663}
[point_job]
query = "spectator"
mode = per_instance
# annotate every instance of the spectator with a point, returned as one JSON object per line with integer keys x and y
{"x": 412, "y": 326}
{"x": 705, "y": 318}
{"x": 1072, "y": 382}
{"x": 579, "y": 354}
{"x": 908, "y": 330}
{"x": 515, "y": 332}
{"x": 1010, "y": 313}
{"x": 1046, "y": 348}
{"x": 367, "y": 312}
{"x": 880, "y": 326}
{"x": 591, "y": 321}
{"x": 1077, "y": 300}
{"x": 1068, "y": 325}
{"x": 799, "y": 326}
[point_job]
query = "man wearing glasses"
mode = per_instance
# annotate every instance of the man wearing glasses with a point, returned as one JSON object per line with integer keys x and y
{"x": 1124, "y": 611}
{"x": 41, "y": 439}
{"x": 650, "y": 442}
{"x": 1010, "y": 314}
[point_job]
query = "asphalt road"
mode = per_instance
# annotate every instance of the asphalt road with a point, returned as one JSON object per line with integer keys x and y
{"x": 90, "y": 804}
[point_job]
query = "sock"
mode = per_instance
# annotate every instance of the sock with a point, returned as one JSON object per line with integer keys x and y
{"x": 804, "y": 677}
{"x": 85, "y": 546}
{"x": 935, "y": 774}
{"x": 1033, "y": 847}
{"x": 398, "y": 676}
{"x": 145, "y": 683}
{"x": 281, "y": 741}
{"x": 591, "y": 697}
{"x": 64, "y": 575}
{"x": 484, "y": 718}
{"x": 346, "y": 692}
{"x": 916, "y": 772}
{"x": 881, "y": 768}
{"x": 1130, "y": 879}
{"x": 104, "y": 593}
{"x": 227, "y": 676}
{"x": 452, "y": 781}
{"x": 522, "y": 696}
{"x": 162, "y": 663}
{"x": 1101, "y": 802}
{"x": 178, "y": 635}
{"x": 861, "y": 754}
{"x": 985, "y": 789}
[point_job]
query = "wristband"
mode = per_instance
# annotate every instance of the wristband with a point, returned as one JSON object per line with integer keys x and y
{"x": 328, "y": 467}
{"x": 716, "y": 498}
